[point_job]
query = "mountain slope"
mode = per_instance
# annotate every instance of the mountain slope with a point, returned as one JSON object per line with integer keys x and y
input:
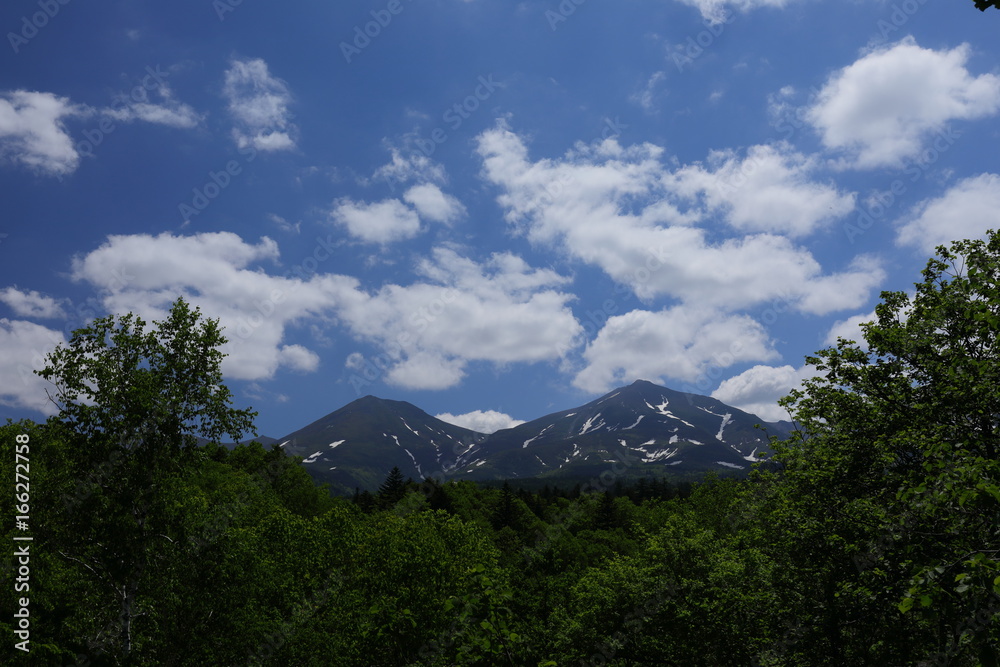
{"x": 630, "y": 431}
{"x": 636, "y": 428}
{"x": 358, "y": 444}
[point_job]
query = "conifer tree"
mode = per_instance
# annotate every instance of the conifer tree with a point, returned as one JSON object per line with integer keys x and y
{"x": 393, "y": 488}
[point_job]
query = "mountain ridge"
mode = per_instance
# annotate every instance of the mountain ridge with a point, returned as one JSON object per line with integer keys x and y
{"x": 637, "y": 429}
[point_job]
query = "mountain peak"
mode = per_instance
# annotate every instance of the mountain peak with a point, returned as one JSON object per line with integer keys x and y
{"x": 642, "y": 427}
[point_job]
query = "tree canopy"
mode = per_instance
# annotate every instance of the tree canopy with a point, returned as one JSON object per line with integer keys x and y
{"x": 872, "y": 537}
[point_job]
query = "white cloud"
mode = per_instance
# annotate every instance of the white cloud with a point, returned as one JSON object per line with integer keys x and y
{"x": 25, "y": 347}
{"x": 622, "y": 210}
{"x": 259, "y": 104}
{"x": 416, "y": 167}
{"x": 500, "y": 311}
{"x": 967, "y": 210}
{"x": 488, "y": 421}
{"x": 283, "y": 224}
{"x": 716, "y": 11}
{"x": 31, "y": 304}
{"x": 850, "y": 329}
{"x": 32, "y": 131}
{"x": 433, "y": 204}
{"x": 381, "y": 222}
{"x": 767, "y": 191}
{"x": 422, "y": 369}
{"x": 757, "y": 390}
{"x": 145, "y": 274}
{"x": 298, "y": 358}
{"x": 679, "y": 343}
{"x": 646, "y": 98}
{"x": 168, "y": 112}
{"x": 879, "y": 110}
{"x": 845, "y": 290}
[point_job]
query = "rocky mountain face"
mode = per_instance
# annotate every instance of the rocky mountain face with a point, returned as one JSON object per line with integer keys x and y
{"x": 635, "y": 430}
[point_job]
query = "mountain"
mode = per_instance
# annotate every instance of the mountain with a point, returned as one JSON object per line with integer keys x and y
{"x": 635, "y": 429}
{"x": 357, "y": 445}
{"x": 630, "y": 431}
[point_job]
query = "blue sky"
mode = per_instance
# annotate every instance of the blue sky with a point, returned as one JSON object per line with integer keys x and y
{"x": 489, "y": 209}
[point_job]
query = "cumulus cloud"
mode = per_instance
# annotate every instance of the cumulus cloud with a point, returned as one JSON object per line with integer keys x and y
{"x": 769, "y": 190}
{"x": 380, "y": 222}
{"x": 967, "y": 210}
{"x": 298, "y": 358}
{"x": 850, "y": 329}
{"x": 31, "y": 304}
{"x": 757, "y": 390}
{"x": 433, "y": 204}
{"x": 879, "y": 110}
{"x": 499, "y": 311}
{"x": 25, "y": 346}
{"x": 415, "y": 167}
{"x": 144, "y": 274}
{"x": 680, "y": 343}
{"x": 622, "y": 210}
{"x": 458, "y": 311}
{"x": 259, "y": 102}
{"x": 33, "y": 132}
{"x": 482, "y": 421}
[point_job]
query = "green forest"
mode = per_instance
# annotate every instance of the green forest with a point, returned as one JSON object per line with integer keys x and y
{"x": 872, "y": 537}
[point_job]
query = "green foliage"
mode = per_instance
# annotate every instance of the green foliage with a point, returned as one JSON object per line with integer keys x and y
{"x": 871, "y": 539}
{"x": 902, "y": 448}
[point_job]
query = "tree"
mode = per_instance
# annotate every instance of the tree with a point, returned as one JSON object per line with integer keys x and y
{"x": 902, "y": 446}
{"x": 137, "y": 400}
{"x": 504, "y": 513}
{"x": 392, "y": 489}
{"x": 983, "y": 5}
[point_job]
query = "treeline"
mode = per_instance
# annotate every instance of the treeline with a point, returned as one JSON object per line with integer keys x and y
{"x": 873, "y": 538}
{"x": 256, "y": 565}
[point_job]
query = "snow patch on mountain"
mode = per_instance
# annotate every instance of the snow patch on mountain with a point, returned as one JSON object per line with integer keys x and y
{"x": 339, "y": 442}
{"x": 726, "y": 420}
{"x": 635, "y": 424}
{"x": 589, "y": 425}
{"x": 659, "y": 408}
{"x": 662, "y": 409}
{"x": 540, "y": 433}
{"x": 730, "y": 465}
{"x": 312, "y": 457}
{"x": 650, "y": 453}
